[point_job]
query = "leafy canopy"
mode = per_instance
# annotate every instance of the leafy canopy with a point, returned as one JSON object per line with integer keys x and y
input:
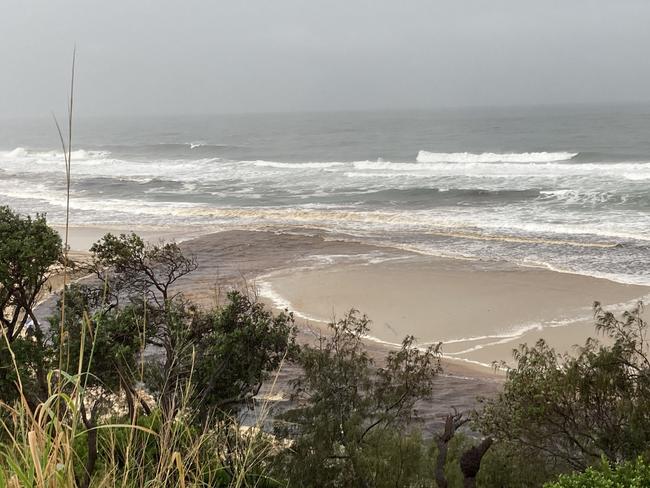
{"x": 631, "y": 474}
{"x": 352, "y": 408}
{"x": 28, "y": 251}
{"x": 575, "y": 409}
{"x": 221, "y": 355}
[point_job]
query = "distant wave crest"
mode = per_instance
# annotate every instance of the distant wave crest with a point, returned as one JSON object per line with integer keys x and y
{"x": 465, "y": 157}
{"x": 22, "y": 153}
{"x": 19, "y": 152}
{"x": 273, "y": 164}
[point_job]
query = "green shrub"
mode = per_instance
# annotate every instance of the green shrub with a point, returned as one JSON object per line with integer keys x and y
{"x": 575, "y": 409}
{"x": 632, "y": 474}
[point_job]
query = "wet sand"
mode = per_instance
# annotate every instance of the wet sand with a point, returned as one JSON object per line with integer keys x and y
{"x": 244, "y": 258}
{"x": 480, "y": 311}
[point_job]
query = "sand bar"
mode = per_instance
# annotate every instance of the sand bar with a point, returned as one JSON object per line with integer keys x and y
{"x": 479, "y": 310}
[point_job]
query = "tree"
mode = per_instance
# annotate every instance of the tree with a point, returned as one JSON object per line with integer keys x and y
{"x": 29, "y": 250}
{"x": 221, "y": 354}
{"x": 211, "y": 359}
{"x": 224, "y": 354}
{"x": 142, "y": 275}
{"x": 244, "y": 343}
{"x": 132, "y": 268}
{"x": 470, "y": 457}
{"x": 574, "y": 409}
{"x": 351, "y": 407}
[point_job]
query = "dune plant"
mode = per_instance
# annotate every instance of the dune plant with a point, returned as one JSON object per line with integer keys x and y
{"x": 350, "y": 413}
{"x": 43, "y": 448}
{"x": 569, "y": 411}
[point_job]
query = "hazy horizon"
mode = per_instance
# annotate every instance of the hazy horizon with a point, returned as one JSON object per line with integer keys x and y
{"x": 158, "y": 58}
{"x": 59, "y": 112}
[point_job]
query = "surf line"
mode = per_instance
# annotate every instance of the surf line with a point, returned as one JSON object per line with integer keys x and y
{"x": 523, "y": 240}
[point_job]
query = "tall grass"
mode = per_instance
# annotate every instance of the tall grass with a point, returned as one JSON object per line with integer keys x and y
{"x": 46, "y": 446}
{"x": 67, "y": 156}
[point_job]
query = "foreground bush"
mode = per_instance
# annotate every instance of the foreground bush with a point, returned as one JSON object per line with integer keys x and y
{"x": 632, "y": 474}
{"x": 41, "y": 450}
{"x": 129, "y": 383}
{"x": 572, "y": 410}
{"x": 349, "y": 428}
{"x": 29, "y": 253}
{"x": 507, "y": 465}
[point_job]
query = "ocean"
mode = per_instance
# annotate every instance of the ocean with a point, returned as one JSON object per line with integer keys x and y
{"x": 566, "y": 188}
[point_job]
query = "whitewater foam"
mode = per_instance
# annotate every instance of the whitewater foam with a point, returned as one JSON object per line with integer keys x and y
{"x": 306, "y": 165}
{"x": 636, "y": 176}
{"x": 19, "y": 152}
{"x": 514, "y": 206}
{"x": 22, "y": 153}
{"x": 487, "y": 157}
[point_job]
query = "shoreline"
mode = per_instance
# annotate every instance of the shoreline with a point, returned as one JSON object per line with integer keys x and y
{"x": 266, "y": 260}
{"x": 84, "y": 235}
{"x": 259, "y": 257}
{"x": 248, "y": 260}
{"x": 479, "y": 311}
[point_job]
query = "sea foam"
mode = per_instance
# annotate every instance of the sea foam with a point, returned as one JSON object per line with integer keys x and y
{"x": 306, "y": 165}
{"x": 487, "y": 157}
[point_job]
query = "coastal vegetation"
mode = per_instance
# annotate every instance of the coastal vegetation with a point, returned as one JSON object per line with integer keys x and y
{"x": 575, "y": 409}
{"x": 130, "y": 383}
{"x": 353, "y": 425}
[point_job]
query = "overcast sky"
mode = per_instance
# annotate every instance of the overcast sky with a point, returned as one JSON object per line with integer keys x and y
{"x": 174, "y": 57}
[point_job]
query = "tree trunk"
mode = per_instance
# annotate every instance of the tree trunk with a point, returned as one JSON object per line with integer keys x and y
{"x": 441, "y": 479}
{"x": 470, "y": 462}
{"x": 443, "y": 446}
{"x": 145, "y": 406}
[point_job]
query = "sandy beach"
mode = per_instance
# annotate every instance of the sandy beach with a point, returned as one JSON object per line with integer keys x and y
{"x": 479, "y": 310}
{"x": 245, "y": 258}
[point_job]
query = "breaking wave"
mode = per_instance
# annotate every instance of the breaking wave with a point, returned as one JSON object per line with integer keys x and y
{"x": 308, "y": 165}
{"x": 22, "y": 153}
{"x": 465, "y": 157}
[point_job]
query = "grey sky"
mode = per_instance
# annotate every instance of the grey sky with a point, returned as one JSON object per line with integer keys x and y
{"x": 161, "y": 56}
